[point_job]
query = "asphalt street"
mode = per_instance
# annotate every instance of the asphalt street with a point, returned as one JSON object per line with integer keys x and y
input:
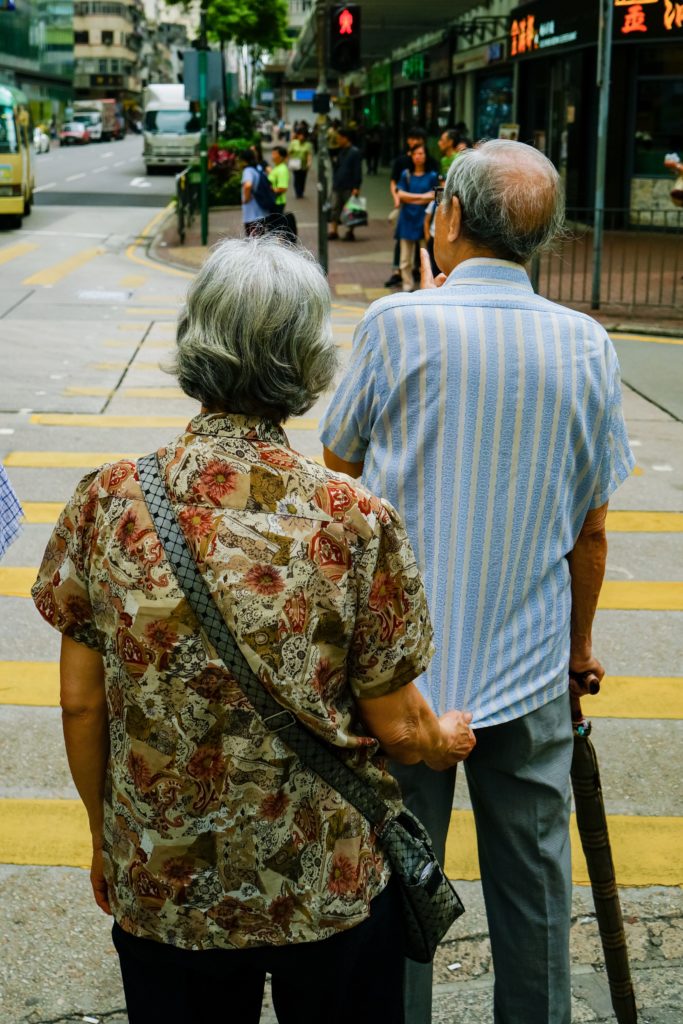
{"x": 86, "y": 325}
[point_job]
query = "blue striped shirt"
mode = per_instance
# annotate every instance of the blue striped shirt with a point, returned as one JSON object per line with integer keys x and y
{"x": 491, "y": 418}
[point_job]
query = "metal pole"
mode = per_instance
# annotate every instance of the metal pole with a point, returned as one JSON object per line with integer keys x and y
{"x": 203, "y": 118}
{"x": 603, "y": 84}
{"x": 323, "y": 185}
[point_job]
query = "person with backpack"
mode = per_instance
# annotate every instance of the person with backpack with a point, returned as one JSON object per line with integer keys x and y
{"x": 258, "y": 197}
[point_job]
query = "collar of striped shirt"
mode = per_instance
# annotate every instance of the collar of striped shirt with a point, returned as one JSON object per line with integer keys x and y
{"x": 482, "y": 270}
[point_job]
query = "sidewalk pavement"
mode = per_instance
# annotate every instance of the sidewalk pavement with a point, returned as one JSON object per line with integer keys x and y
{"x": 357, "y": 270}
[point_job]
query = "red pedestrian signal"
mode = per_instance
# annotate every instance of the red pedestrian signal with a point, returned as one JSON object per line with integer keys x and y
{"x": 344, "y": 49}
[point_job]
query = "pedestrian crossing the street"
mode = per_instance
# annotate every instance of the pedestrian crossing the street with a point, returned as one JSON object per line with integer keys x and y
{"x": 53, "y": 830}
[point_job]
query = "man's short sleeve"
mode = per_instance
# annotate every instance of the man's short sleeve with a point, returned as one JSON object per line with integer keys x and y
{"x": 392, "y": 639}
{"x": 617, "y": 459}
{"x": 60, "y": 592}
{"x": 347, "y": 425}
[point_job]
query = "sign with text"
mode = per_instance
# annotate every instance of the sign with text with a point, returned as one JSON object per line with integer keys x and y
{"x": 647, "y": 18}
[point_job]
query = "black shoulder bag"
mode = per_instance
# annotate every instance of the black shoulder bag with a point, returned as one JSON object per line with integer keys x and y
{"x": 430, "y": 904}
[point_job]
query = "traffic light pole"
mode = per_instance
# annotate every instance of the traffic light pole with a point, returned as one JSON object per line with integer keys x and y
{"x": 203, "y": 122}
{"x": 323, "y": 162}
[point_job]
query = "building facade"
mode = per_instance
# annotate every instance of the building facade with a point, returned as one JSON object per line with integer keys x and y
{"x": 108, "y": 39}
{"x": 37, "y": 54}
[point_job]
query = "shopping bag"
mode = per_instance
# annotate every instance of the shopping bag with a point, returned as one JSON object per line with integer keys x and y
{"x": 355, "y": 212}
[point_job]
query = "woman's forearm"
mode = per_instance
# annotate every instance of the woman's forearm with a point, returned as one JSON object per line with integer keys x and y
{"x": 86, "y": 737}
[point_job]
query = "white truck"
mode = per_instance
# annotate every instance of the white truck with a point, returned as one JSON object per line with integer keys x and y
{"x": 99, "y": 117}
{"x": 170, "y": 128}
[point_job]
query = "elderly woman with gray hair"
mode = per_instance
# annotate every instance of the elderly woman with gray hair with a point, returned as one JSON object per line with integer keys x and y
{"x": 219, "y": 854}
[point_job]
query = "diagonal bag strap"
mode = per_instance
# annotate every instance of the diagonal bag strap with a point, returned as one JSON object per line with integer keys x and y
{"x": 313, "y": 752}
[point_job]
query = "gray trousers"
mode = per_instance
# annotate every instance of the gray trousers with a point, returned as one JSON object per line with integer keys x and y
{"x": 518, "y": 776}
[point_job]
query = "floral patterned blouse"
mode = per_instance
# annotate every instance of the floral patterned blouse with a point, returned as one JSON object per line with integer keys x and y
{"x": 215, "y": 834}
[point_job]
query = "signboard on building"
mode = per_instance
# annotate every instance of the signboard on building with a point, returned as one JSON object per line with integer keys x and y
{"x": 659, "y": 18}
{"x": 303, "y": 95}
{"x": 538, "y": 28}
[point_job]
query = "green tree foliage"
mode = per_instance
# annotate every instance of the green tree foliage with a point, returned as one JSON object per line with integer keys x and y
{"x": 259, "y": 24}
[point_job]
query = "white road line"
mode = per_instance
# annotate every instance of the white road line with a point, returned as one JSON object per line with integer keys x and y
{"x": 75, "y": 177}
{"x": 119, "y": 163}
{"x": 106, "y": 155}
{"x": 41, "y": 188}
{"x": 99, "y": 170}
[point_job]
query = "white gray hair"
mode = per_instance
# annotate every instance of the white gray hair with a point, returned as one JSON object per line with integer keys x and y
{"x": 511, "y": 198}
{"x": 255, "y": 336}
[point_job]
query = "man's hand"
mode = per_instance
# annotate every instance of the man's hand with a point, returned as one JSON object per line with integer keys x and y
{"x": 427, "y": 279}
{"x": 459, "y": 740}
{"x": 99, "y": 882}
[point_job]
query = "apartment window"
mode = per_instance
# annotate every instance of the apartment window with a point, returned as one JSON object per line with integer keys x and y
{"x": 82, "y": 37}
{"x": 107, "y": 38}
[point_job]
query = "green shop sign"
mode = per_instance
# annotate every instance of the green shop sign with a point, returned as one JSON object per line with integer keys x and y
{"x": 415, "y": 68}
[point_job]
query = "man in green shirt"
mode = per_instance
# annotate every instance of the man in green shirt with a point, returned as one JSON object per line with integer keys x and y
{"x": 278, "y": 176}
{"x": 448, "y": 142}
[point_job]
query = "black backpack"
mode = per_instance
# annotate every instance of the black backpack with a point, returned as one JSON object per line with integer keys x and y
{"x": 263, "y": 193}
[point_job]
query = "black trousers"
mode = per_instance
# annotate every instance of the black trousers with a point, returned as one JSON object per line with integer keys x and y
{"x": 300, "y": 182}
{"x": 356, "y": 976}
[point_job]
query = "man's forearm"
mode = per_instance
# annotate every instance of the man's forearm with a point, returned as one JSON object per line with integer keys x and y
{"x": 587, "y": 564}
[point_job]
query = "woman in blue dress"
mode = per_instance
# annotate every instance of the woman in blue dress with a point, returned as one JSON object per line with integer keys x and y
{"x": 415, "y": 192}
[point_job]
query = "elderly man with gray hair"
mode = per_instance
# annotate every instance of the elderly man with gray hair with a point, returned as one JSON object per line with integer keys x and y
{"x": 491, "y": 418}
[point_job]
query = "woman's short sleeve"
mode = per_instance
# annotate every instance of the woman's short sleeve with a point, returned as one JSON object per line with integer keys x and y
{"x": 392, "y": 640}
{"x": 60, "y": 592}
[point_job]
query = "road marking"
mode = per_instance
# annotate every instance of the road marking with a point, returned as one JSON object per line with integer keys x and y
{"x": 105, "y": 156}
{"x": 154, "y": 393}
{"x": 63, "y": 460}
{"x": 44, "y": 188}
{"x": 133, "y": 255}
{"x": 123, "y": 366}
{"x": 75, "y": 177}
{"x": 14, "y": 252}
{"x": 61, "y": 419}
{"x": 41, "y": 512}
{"x": 133, "y": 280}
{"x": 152, "y": 311}
{"x": 29, "y": 683}
{"x": 119, "y": 163}
{"x": 87, "y": 392}
{"x": 637, "y": 471}
{"x": 99, "y": 170}
{"x": 637, "y": 697}
{"x": 646, "y": 850}
{"x": 645, "y": 522}
{"x": 16, "y": 581}
{"x": 641, "y": 595}
{"x": 647, "y": 338}
{"x": 52, "y": 275}
{"x": 140, "y": 183}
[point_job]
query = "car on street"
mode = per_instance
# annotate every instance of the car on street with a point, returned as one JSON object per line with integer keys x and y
{"x": 74, "y": 133}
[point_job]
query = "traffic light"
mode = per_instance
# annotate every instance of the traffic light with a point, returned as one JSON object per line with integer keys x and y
{"x": 345, "y": 37}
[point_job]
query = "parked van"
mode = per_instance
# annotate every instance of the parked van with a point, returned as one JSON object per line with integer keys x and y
{"x": 16, "y": 155}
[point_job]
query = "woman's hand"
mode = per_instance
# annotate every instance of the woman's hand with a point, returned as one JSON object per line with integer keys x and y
{"x": 98, "y": 881}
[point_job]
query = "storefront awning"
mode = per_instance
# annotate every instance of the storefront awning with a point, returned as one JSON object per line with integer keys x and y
{"x": 387, "y": 25}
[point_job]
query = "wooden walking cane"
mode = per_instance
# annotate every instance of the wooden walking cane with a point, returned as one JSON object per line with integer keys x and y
{"x": 592, "y": 824}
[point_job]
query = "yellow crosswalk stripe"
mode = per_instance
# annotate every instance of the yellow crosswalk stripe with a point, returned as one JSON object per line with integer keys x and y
{"x": 76, "y": 392}
{"x": 645, "y": 522}
{"x": 154, "y": 310}
{"x": 637, "y": 697}
{"x": 14, "y": 252}
{"x": 29, "y": 683}
{"x": 646, "y": 338}
{"x": 647, "y": 850}
{"x": 125, "y": 366}
{"x": 154, "y": 393}
{"x": 63, "y": 460}
{"x": 41, "y": 511}
{"x": 56, "y": 273}
{"x": 133, "y": 281}
{"x": 641, "y": 595}
{"x": 59, "y": 419}
{"x": 16, "y": 581}
{"x": 646, "y": 697}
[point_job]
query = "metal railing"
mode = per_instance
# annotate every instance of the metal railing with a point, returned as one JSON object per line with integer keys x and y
{"x": 187, "y": 199}
{"x": 642, "y": 262}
